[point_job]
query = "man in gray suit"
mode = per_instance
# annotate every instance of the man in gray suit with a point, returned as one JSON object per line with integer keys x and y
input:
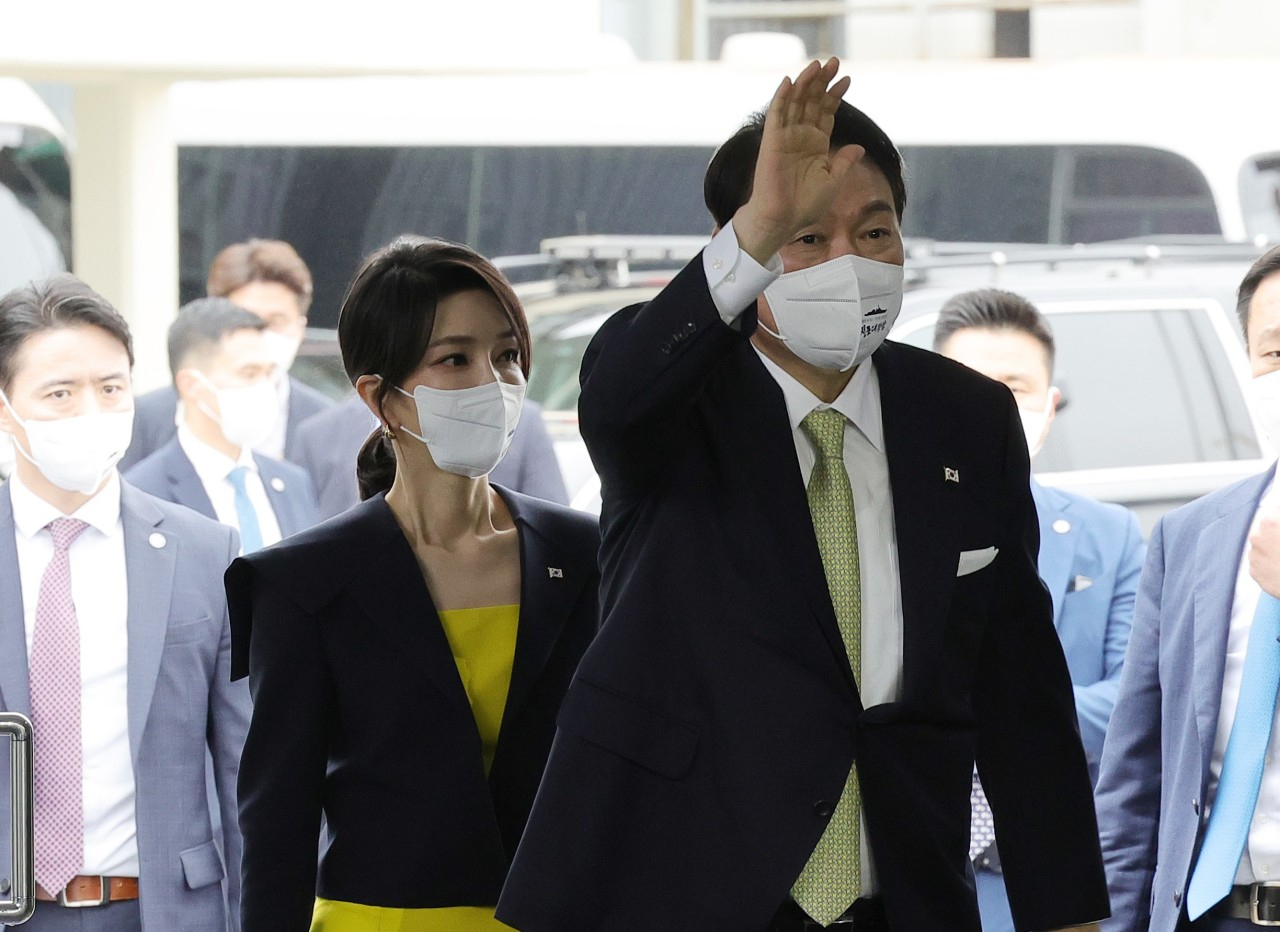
{"x": 327, "y": 445}
{"x": 114, "y": 639}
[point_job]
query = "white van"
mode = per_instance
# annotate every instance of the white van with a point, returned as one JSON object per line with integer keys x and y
{"x": 996, "y": 151}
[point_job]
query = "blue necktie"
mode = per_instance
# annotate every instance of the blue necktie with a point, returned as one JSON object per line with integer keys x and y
{"x": 250, "y": 531}
{"x": 1242, "y": 765}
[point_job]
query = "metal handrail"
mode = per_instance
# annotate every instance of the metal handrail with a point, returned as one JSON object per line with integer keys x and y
{"x": 19, "y": 901}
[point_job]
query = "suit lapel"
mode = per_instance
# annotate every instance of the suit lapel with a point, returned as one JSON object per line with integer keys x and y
{"x": 1058, "y": 539}
{"x": 185, "y": 483}
{"x": 151, "y": 558}
{"x": 278, "y": 495}
{"x": 15, "y": 688}
{"x": 551, "y": 582}
{"x": 398, "y": 605}
{"x": 1218, "y": 549}
{"x": 924, "y": 515}
{"x": 777, "y": 486}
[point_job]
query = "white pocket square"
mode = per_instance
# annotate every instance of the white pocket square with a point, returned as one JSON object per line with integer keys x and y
{"x": 973, "y": 560}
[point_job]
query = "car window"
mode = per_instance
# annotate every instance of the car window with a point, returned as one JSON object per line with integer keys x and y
{"x": 1260, "y": 195}
{"x": 1142, "y": 387}
{"x": 1053, "y": 194}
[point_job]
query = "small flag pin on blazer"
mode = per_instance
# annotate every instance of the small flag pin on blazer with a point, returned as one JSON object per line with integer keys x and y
{"x": 950, "y": 475}
{"x": 554, "y": 572}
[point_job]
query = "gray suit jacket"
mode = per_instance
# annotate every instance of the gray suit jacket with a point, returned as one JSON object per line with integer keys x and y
{"x": 327, "y": 445}
{"x": 168, "y": 474}
{"x": 154, "y": 413}
{"x": 181, "y": 702}
{"x": 1155, "y": 763}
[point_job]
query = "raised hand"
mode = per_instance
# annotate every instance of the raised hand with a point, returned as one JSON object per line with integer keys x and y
{"x": 797, "y": 174}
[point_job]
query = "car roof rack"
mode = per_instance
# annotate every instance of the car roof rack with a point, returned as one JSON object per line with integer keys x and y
{"x": 585, "y": 263}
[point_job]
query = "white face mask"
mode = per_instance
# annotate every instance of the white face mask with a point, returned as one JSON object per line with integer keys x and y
{"x": 1264, "y": 392}
{"x": 467, "y": 430}
{"x": 283, "y": 350}
{"x": 1033, "y": 424}
{"x": 836, "y": 314}
{"x": 247, "y": 415}
{"x": 76, "y": 453}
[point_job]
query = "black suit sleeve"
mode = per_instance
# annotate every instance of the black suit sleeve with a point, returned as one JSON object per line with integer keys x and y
{"x": 1029, "y": 754}
{"x": 643, "y": 373}
{"x": 282, "y": 769}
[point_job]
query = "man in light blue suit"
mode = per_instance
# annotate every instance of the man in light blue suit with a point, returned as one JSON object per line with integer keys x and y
{"x": 1091, "y": 552}
{"x": 223, "y": 371}
{"x": 114, "y": 639}
{"x": 1189, "y": 796}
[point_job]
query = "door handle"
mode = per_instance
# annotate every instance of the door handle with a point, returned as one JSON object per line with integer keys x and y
{"x": 17, "y": 893}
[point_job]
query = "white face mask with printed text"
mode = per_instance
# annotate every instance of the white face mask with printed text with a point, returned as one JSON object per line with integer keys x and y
{"x": 836, "y": 314}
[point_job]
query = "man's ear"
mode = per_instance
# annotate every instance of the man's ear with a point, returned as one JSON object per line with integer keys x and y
{"x": 185, "y": 383}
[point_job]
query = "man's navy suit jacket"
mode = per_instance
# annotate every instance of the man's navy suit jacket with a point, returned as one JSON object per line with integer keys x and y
{"x": 1155, "y": 764}
{"x": 713, "y": 722}
{"x": 168, "y": 474}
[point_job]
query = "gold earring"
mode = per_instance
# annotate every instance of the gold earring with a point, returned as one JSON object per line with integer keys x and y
{"x": 388, "y": 433}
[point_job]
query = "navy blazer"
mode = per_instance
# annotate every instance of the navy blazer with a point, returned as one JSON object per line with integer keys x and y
{"x": 1155, "y": 764}
{"x": 168, "y": 474}
{"x": 155, "y": 411}
{"x": 328, "y": 443}
{"x": 714, "y": 722}
{"x": 359, "y": 712}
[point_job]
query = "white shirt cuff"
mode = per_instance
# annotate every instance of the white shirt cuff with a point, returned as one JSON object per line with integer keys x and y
{"x": 735, "y": 279}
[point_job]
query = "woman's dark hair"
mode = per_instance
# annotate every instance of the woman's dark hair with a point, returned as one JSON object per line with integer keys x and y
{"x": 727, "y": 184}
{"x": 387, "y": 316}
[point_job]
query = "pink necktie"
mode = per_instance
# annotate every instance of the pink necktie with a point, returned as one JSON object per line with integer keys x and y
{"x": 55, "y": 718}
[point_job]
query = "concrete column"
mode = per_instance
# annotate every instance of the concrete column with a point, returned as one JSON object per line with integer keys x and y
{"x": 124, "y": 220}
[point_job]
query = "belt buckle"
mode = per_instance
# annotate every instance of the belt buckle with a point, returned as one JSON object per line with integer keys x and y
{"x": 1253, "y": 903}
{"x": 104, "y": 897}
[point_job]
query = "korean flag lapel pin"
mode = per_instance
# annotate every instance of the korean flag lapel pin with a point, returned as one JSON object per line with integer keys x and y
{"x": 950, "y": 474}
{"x": 554, "y": 572}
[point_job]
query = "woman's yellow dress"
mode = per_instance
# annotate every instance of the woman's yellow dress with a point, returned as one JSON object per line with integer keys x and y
{"x": 483, "y": 641}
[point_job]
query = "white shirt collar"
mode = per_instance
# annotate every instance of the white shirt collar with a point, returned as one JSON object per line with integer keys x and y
{"x": 859, "y": 402}
{"x": 211, "y": 465}
{"x": 31, "y": 513}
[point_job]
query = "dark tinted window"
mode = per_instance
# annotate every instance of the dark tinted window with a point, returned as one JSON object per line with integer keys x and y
{"x": 1053, "y": 194}
{"x": 1142, "y": 388}
{"x": 337, "y": 204}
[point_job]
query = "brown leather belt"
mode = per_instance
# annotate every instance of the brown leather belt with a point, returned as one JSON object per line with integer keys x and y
{"x": 91, "y": 891}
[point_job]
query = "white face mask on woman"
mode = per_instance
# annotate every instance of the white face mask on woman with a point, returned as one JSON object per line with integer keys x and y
{"x": 836, "y": 314}
{"x": 467, "y": 430}
{"x": 75, "y": 453}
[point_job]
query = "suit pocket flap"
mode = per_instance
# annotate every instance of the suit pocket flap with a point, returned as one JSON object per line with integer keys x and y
{"x": 619, "y": 724}
{"x": 202, "y": 865}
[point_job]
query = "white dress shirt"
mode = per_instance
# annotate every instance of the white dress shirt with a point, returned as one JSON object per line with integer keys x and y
{"x": 736, "y": 281}
{"x": 99, "y": 589}
{"x": 1261, "y": 858}
{"x": 213, "y": 467}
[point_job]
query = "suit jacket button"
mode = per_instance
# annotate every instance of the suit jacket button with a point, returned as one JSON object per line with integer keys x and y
{"x": 1195, "y": 804}
{"x": 1177, "y": 899}
{"x": 823, "y": 809}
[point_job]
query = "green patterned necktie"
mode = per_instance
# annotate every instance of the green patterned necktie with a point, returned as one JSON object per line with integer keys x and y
{"x": 832, "y": 879}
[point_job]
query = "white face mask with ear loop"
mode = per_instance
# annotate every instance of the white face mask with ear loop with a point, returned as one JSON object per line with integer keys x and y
{"x": 283, "y": 350}
{"x": 467, "y": 431}
{"x": 75, "y": 453}
{"x": 247, "y": 414}
{"x": 1033, "y": 423}
{"x": 1264, "y": 392}
{"x": 836, "y": 314}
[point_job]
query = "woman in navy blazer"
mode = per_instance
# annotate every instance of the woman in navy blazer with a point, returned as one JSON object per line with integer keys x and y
{"x": 408, "y": 657}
